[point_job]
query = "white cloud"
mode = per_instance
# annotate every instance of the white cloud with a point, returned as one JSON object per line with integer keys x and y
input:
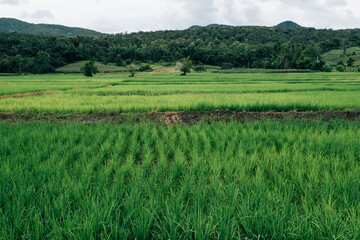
{"x": 38, "y": 14}
{"x": 119, "y": 16}
{"x": 10, "y": 2}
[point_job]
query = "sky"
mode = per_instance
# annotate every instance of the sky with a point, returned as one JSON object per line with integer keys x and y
{"x": 111, "y": 16}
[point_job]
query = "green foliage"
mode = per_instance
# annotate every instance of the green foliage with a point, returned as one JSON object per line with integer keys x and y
{"x": 184, "y": 65}
{"x": 326, "y": 68}
{"x": 350, "y": 62}
{"x": 89, "y": 69}
{"x": 226, "y": 66}
{"x": 243, "y": 47}
{"x": 133, "y": 68}
{"x": 288, "y": 25}
{"x": 340, "y": 68}
{"x": 318, "y": 65}
{"x": 260, "y": 180}
{"x": 119, "y": 61}
{"x": 145, "y": 67}
{"x": 199, "y": 68}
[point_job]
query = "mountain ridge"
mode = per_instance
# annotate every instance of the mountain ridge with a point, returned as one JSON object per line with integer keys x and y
{"x": 8, "y": 25}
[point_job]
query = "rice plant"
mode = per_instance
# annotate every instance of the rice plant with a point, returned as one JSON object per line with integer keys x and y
{"x": 258, "y": 180}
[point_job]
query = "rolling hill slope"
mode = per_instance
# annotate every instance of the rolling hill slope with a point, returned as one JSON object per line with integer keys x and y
{"x": 333, "y": 57}
{"x": 15, "y": 25}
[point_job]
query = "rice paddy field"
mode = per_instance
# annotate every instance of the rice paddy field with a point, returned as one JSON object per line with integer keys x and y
{"x": 117, "y": 93}
{"x": 286, "y": 179}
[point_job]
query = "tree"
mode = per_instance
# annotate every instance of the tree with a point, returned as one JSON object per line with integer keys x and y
{"x": 41, "y": 63}
{"x": 350, "y": 62}
{"x": 184, "y": 65}
{"x": 133, "y": 68}
{"x": 89, "y": 69}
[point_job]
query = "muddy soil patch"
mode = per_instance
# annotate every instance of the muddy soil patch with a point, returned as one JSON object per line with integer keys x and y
{"x": 184, "y": 117}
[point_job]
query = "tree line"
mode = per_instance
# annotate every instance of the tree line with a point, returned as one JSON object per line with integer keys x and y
{"x": 249, "y": 47}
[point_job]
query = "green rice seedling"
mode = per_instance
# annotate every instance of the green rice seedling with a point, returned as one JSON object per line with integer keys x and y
{"x": 257, "y": 180}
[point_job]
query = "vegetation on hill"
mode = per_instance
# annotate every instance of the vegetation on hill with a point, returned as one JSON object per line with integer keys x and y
{"x": 337, "y": 57}
{"x": 15, "y": 25}
{"x": 240, "y": 47}
{"x": 209, "y": 26}
{"x": 76, "y": 67}
{"x": 288, "y": 24}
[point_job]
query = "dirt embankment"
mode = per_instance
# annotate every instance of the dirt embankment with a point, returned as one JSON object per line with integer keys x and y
{"x": 184, "y": 117}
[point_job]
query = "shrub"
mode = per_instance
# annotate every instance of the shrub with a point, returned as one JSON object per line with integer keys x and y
{"x": 340, "y": 68}
{"x": 327, "y": 68}
{"x": 199, "y": 68}
{"x": 145, "y": 67}
{"x": 226, "y": 66}
{"x": 89, "y": 69}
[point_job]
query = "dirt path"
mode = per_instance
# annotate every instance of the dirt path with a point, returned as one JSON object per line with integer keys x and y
{"x": 20, "y": 95}
{"x": 184, "y": 117}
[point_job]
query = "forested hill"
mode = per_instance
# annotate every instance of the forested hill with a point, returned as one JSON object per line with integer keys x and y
{"x": 288, "y": 24}
{"x": 253, "y": 47}
{"x": 14, "y": 25}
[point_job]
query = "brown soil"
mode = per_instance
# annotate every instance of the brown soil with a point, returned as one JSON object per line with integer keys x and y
{"x": 185, "y": 116}
{"x": 20, "y": 95}
{"x": 165, "y": 70}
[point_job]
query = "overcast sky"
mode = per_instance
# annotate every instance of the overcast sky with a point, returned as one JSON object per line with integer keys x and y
{"x": 113, "y": 16}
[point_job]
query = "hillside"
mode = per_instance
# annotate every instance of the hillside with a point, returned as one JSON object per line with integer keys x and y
{"x": 75, "y": 68}
{"x": 13, "y": 25}
{"x": 194, "y": 27}
{"x": 238, "y": 47}
{"x": 288, "y": 24}
{"x": 335, "y": 56}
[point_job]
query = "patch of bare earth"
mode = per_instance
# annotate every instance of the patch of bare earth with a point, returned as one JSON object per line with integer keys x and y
{"x": 20, "y": 95}
{"x": 184, "y": 117}
{"x": 165, "y": 70}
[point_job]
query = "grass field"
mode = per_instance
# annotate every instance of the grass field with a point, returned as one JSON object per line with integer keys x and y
{"x": 260, "y": 180}
{"x": 289, "y": 179}
{"x": 198, "y": 91}
{"x": 34, "y": 83}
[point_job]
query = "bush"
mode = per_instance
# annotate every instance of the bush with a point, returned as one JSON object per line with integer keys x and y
{"x": 327, "y": 68}
{"x": 226, "y": 66}
{"x": 145, "y": 67}
{"x": 340, "y": 68}
{"x": 199, "y": 68}
{"x": 318, "y": 65}
{"x": 89, "y": 69}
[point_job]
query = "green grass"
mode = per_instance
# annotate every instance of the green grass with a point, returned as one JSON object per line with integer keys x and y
{"x": 171, "y": 92}
{"x": 75, "y": 68}
{"x": 288, "y": 101}
{"x": 34, "y": 83}
{"x": 333, "y": 57}
{"x": 260, "y": 180}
